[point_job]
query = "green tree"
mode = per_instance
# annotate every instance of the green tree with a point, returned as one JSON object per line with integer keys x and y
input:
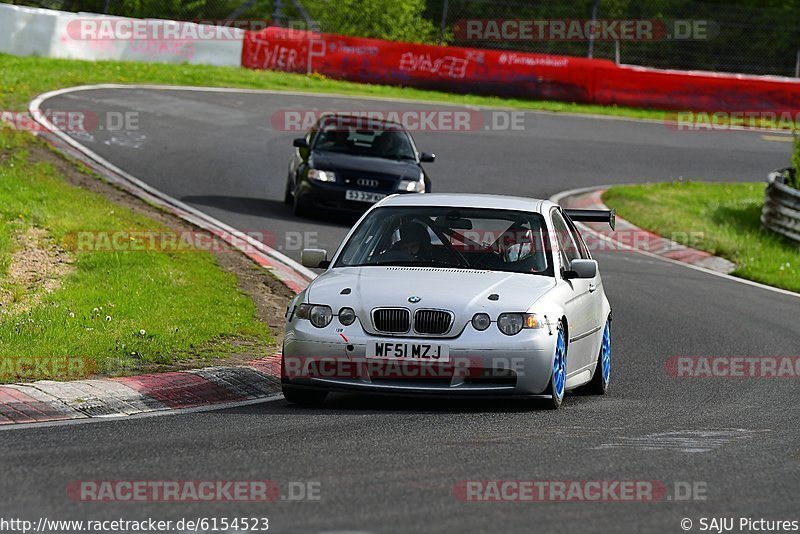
{"x": 394, "y": 20}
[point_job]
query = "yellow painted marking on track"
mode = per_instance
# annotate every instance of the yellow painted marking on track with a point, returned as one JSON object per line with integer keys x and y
{"x": 777, "y": 138}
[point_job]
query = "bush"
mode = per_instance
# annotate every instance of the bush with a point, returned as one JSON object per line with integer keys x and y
{"x": 393, "y": 20}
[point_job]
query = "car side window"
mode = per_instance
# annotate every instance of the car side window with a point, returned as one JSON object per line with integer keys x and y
{"x": 569, "y": 249}
{"x": 578, "y": 238}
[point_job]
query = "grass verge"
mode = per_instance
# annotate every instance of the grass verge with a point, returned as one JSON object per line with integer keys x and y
{"x": 725, "y": 218}
{"x": 23, "y": 78}
{"x": 121, "y": 311}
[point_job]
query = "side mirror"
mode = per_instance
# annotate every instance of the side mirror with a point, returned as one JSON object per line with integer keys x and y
{"x": 581, "y": 269}
{"x": 427, "y": 157}
{"x": 314, "y": 258}
{"x": 300, "y": 142}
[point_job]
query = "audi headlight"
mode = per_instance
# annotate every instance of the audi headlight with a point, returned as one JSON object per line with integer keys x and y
{"x": 321, "y": 176}
{"x": 481, "y": 321}
{"x": 320, "y": 316}
{"x": 412, "y": 186}
{"x": 512, "y": 323}
{"x": 347, "y": 316}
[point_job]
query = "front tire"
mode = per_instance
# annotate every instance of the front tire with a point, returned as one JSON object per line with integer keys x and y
{"x": 602, "y": 373}
{"x": 304, "y": 397}
{"x": 299, "y": 205}
{"x": 288, "y": 197}
{"x": 558, "y": 379}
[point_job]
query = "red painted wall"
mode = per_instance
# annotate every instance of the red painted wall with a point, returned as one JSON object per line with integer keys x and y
{"x": 515, "y": 74}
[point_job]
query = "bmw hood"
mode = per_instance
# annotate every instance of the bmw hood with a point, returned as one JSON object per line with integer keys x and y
{"x": 464, "y": 292}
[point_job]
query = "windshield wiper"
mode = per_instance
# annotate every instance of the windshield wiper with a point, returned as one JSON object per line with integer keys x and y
{"x": 409, "y": 263}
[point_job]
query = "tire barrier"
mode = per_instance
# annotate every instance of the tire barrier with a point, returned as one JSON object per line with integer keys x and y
{"x": 781, "y": 211}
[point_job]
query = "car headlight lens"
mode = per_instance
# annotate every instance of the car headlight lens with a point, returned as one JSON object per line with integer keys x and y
{"x": 320, "y": 316}
{"x": 481, "y": 321}
{"x": 321, "y": 176}
{"x": 412, "y": 186}
{"x": 347, "y": 316}
{"x": 512, "y": 323}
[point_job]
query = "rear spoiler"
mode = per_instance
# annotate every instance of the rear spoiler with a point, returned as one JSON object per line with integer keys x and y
{"x": 601, "y": 216}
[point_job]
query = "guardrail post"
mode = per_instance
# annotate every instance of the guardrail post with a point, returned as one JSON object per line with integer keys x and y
{"x": 443, "y": 25}
{"x": 797, "y": 66}
{"x": 277, "y": 14}
{"x": 594, "y": 21}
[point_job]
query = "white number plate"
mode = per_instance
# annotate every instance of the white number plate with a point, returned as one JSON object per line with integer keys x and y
{"x": 363, "y": 196}
{"x": 421, "y": 352}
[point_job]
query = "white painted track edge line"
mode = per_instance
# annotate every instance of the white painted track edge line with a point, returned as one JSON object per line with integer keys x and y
{"x": 141, "y": 415}
{"x": 35, "y": 109}
{"x": 583, "y": 190}
{"x": 244, "y": 90}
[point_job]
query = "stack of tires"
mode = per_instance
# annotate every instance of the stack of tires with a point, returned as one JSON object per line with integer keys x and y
{"x": 781, "y": 212}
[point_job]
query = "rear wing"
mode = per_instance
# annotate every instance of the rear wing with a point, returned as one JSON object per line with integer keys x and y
{"x": 601, "y": 216}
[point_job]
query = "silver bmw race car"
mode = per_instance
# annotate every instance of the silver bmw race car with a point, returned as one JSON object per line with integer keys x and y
{"x": 453, "y": 294}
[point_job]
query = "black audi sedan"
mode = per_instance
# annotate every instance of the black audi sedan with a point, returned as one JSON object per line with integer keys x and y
{"x": 348, "y": 162}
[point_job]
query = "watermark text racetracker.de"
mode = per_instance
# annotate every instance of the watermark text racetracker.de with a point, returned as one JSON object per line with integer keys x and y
{"x": 411, "y": 120}
{"x": 538, "y": 30}
{"x": 187, "y": 241}
{"x": 125, "y": 29}
{"x": 72, "y": 121}
{"x": 42, "y": 367}
{"x": 734, "y": 121}
{"x": 605, "y": 491}
{"x": 734, "y": 367}
{"x": 172, "y": 491}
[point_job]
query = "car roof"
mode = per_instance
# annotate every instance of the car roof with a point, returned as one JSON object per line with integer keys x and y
{"x": 468, "y": 200}
{"x": 360, "y": 121}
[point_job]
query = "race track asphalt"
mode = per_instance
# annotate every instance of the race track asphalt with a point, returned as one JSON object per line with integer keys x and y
{"x": 390, "y": 465}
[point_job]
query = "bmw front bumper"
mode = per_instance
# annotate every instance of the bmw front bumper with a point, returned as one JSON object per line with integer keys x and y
{"x": 480, "y": 363}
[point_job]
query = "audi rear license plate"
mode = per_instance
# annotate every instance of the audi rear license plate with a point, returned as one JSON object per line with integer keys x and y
{"x": 417, "y": 352}
{"x": 363, "y": 196}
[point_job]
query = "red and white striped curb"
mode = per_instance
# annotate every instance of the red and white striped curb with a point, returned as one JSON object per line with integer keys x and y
{"x": 628, "y": 236}
{"x": 46, "y": 401}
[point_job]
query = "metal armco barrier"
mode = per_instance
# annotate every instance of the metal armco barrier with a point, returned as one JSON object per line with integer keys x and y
{"x": 781, "y": 212}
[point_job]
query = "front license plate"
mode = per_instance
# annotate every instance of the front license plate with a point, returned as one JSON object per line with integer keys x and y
{"x": 363, "y": 196}
{"x": 419, "y": 352}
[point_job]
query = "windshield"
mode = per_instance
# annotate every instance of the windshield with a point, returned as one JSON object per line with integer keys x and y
{"x": 467, "y": 238}
{"x": 377, "y": 143}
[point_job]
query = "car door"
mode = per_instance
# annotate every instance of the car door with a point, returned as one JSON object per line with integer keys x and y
{"x": 579, "y": 304}
{"x": 595, "y": 289}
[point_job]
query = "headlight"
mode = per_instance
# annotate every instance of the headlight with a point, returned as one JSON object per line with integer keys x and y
{"x": 320, "y": 316}
{"x": 347, "y": 316}
{"x": 321, "y": 176}
{"x": 481, "y": 321}
{"x": 512, "y": 323}
{"x": 412, "y": 186}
